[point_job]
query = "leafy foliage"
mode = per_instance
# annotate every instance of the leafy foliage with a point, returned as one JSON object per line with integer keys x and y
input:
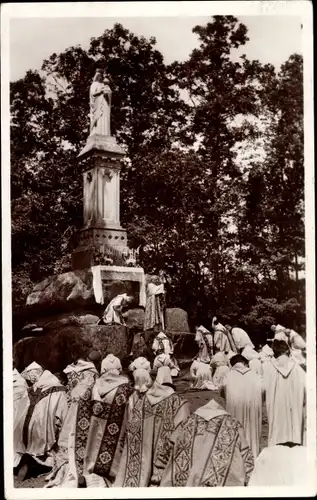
{"x": 226, "y": 230}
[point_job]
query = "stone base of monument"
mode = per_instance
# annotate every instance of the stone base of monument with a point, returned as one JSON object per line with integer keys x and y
{"x": 64, "y": 307}
{"x": 55, "y": 350}
{"x": 62, "y": 345}
{"x": 73, "y": 290}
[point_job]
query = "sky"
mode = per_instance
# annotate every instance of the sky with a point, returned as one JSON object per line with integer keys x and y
{"x": 272, "y": 38}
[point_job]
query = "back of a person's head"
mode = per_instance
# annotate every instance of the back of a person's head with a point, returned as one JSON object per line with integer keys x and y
{"x": 238, "y": 358}
{"x": 127, "y": 360}
{"x": 280, "y": 347}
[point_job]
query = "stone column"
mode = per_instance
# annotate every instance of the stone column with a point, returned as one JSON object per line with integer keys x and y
{"x": 101, "y": 195}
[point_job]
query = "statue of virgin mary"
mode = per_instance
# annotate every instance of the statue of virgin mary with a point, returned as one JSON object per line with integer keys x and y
{"x": 100, "y": 104}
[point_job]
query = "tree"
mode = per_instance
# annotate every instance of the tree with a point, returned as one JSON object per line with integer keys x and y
{"x": 50, "y": 120}
{"x": 226, "y": 230}
{"x": 273, "y": 218}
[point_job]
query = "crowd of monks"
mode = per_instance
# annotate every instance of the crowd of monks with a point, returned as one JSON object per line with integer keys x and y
{"x": 103, "y": 425}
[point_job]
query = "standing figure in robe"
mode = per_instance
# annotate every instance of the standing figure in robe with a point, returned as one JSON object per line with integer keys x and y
{"x": 113, "y": 311}
{"x": 39, "y": 418}
{"x": 95, "y": 446}
{"x": 154, "y": 309}
{"x": 147, "y": 447}
{"x": 285, "y": 385}
{"x": 209, "y": 449}
{"x": 243, "y": 395}
{"x": 100, "y": 105}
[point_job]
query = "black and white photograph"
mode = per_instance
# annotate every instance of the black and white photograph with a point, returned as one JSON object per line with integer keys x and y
{"x": 158, "y": 249}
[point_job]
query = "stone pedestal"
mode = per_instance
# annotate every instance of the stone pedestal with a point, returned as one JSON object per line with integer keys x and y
{"x": 102, "y": 239}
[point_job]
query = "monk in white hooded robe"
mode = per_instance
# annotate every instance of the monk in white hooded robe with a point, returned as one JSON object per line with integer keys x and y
{"x": 140, "y": 369}
{"x": 39, "y": 418}
{"x": 201, "y": 375}
{"x": 253, "y": 357}
{"x": 142, "y": 383}
{"x": 266, "y": 353}
{"x": 221, "y": 338}
{"x": 284, "y": 385}
{"x": 281, "y": 465}
{"x": 113, "y": 311}
{"x": 242, "y": 390}
{"x": 205, "y": 341}
{"x": 166, "y": 360}
{"x": 20, "y": 387}
{"x": 32, "y": 372}
{"x": 219, "y": 362}
{"x": 240, "y": 337}
{"x": 163, "y": 346}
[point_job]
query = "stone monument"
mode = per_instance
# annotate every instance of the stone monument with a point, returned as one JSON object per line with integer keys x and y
{"x": 102, "y": 240}
{"x": 103, "y": 266}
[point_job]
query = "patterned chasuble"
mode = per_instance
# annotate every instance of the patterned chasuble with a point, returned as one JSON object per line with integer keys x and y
{"x": 164, "y": 414}
{"x": 35, "y": 397}
{"x": 215, "y": 471}
{"x": 113, "y": 414}
{"x": 74, "y": 378}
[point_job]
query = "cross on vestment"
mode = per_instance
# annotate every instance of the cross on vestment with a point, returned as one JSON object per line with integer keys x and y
{"x": 35, "y": 397}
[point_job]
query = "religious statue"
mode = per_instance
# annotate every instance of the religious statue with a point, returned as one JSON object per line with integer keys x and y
{"x": 100, "y": 104}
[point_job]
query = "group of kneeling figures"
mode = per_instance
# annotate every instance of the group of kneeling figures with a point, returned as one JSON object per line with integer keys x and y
{"x": 103, "y": 426}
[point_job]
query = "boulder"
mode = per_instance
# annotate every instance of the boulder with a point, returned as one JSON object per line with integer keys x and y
{"x": 73, "y": 291}
{"x": 63, "y": 289}
{"x": 54, "y": 322}
{"x": 176, "y": 320}
{"x": 108, "y": 338}
{"x": 134, "y": 318}
{"x": 87, "y": 319}
{"x": 55, "y": 350}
